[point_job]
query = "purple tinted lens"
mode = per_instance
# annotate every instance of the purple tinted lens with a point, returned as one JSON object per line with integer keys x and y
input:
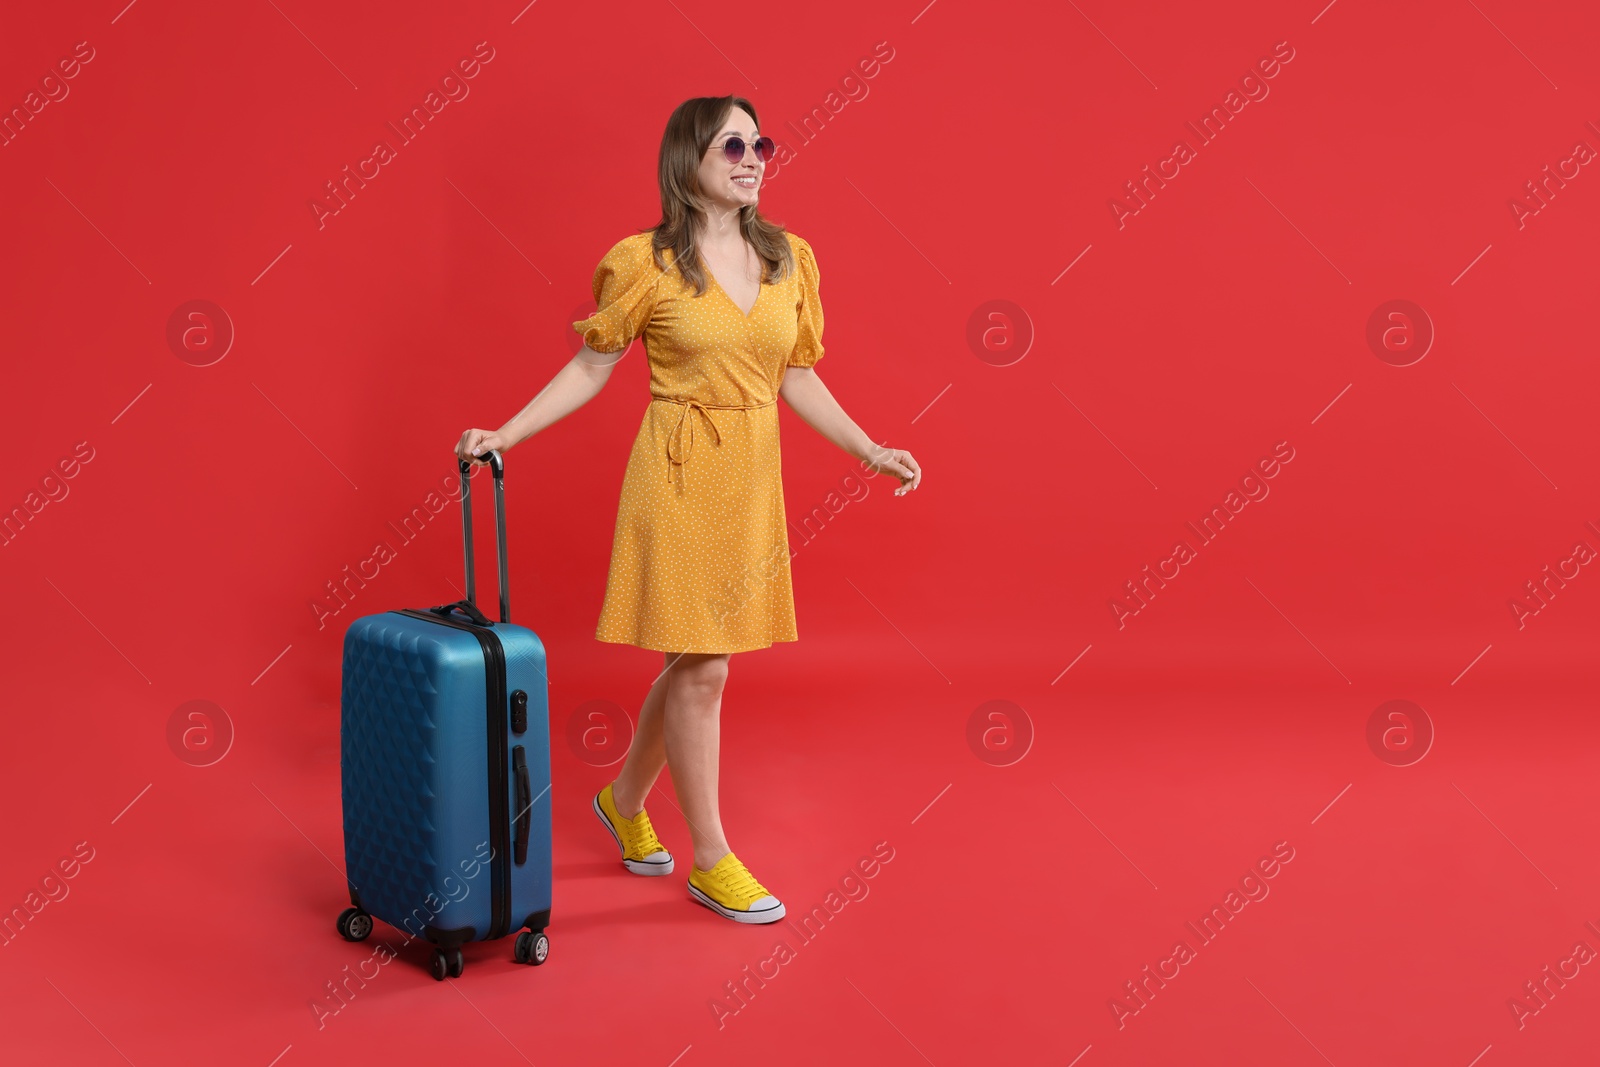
{"x": 733, "y": 149}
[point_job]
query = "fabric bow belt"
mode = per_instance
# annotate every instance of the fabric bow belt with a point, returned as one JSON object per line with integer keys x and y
{"x": 680, "y": 446}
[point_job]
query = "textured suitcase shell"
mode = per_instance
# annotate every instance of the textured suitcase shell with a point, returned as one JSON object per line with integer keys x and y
{"x": 415, "y": 745}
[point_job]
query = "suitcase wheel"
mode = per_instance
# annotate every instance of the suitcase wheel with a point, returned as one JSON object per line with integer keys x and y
{"x": 354, "y": 924}
{"x": 448, "y": 963}
{"x": 531, "y": 947}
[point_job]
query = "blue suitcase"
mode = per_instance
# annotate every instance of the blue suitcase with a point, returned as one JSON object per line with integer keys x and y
{"x": 445, "y": 763}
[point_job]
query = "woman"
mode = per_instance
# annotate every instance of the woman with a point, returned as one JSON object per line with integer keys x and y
{"x": 727, "y": 305}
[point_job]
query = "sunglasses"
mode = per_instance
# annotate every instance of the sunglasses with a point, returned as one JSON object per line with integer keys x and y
{"x": 733, "y": 148}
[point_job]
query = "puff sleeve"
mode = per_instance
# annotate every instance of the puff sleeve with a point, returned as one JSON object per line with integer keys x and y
{"x": 624, "y": 286}
{"x": 808, "y": 341}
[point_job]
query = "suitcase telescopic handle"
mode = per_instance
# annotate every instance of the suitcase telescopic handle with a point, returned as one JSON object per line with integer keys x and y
{"x": 498, "y": 465}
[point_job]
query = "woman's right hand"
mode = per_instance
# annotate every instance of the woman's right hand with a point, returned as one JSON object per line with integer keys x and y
{"x": 476, "y": 443}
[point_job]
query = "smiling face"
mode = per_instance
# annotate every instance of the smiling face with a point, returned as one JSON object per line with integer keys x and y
{"x": 732, "y": 186}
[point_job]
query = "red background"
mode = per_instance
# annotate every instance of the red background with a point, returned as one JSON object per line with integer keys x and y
{"x": 1227, "y": 715}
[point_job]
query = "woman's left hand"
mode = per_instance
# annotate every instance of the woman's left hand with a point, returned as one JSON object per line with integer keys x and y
{"x": 898, "y": 462}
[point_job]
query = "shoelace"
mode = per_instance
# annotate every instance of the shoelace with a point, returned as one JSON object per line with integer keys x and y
{"x": 741, "y": 885}
{"x": 642, "y": 840}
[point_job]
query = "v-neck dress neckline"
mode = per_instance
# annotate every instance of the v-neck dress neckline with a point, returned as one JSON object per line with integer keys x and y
{"x": 713, "y": 276}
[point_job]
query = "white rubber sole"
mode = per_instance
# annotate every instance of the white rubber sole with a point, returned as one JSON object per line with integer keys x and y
{"x": 643, "y": 867}
{"x": 766, "y": 915}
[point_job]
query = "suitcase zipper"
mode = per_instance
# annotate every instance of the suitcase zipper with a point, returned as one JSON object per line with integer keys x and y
{"x": 499, "y": 785}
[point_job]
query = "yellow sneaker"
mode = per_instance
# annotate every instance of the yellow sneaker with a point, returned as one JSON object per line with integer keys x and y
{"x": 642, "y": 852}
{"x": 729, "y": 890}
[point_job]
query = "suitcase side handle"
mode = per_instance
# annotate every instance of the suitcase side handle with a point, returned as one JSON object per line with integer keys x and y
{"x": 524, "y": 801}
{"x": 498, "y": 465}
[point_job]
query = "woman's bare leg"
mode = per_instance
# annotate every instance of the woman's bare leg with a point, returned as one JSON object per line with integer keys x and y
{"x": 646, "y": 756}
{"x": 692, "y": 727}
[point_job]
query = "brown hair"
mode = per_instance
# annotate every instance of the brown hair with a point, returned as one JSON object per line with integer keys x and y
{"x": 690, "y": 130}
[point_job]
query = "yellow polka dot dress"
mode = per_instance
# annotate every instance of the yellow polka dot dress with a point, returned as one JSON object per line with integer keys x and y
{"x": 700, "y": 556}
